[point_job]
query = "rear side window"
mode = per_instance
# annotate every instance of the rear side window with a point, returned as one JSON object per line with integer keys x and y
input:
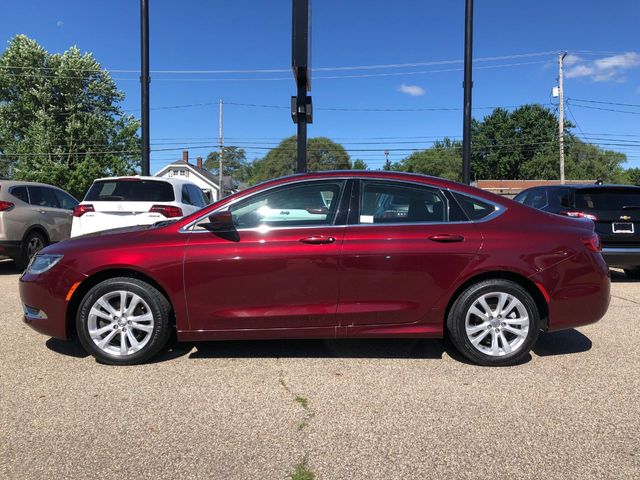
{"x": 130, "y": 191}
{"x": 20, "y": 193}
{"x": 65, "y": 200}
{"x": 474, "y": 209}
{"x": 608, "y": 199}
{"x": 388, "y": 202}
{"x": 43, "y": 197}
{"x": 559, "y": 197}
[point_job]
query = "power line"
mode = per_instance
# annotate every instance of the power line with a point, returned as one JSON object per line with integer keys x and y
{"x": 605, "y": 103}
{"x": 604, "y": 109}
{"x": 287, "y": 70}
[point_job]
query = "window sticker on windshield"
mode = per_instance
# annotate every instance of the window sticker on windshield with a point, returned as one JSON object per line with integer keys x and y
{"x": 366, "y": 218}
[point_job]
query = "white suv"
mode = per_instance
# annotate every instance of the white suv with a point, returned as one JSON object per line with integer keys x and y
{"x": 127, "y": 201}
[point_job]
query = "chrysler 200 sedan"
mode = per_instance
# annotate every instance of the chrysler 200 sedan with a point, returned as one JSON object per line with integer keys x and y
{"x": 326, "y": 255}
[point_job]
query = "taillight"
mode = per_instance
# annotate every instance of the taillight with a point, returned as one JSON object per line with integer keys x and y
{"x": 80, "y": 210}
{"x": 580, "y": 215}
{"x": 168, "y": 211}
{"x": 593, "y": 243}
{"x": 4, "y": 206}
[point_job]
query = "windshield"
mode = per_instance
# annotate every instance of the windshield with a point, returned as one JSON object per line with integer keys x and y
{"x": 608, "y": 199}
{"x": 130, "y": 191}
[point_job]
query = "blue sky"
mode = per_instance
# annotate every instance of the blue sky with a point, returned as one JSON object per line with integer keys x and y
{"x": 603, "y": 66}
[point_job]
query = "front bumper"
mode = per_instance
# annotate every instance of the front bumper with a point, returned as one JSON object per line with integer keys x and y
{"x": 622, "y": 256}
{"x": 44, "y": 300}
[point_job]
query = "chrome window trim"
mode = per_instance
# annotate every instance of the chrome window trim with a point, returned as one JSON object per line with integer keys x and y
{"x": 499, "y": 209}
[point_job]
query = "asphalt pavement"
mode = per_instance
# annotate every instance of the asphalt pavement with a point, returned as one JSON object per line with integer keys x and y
{"x": 383, "y": 409}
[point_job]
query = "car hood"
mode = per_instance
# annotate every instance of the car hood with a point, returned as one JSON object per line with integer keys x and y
{"x": 99, "y": 240}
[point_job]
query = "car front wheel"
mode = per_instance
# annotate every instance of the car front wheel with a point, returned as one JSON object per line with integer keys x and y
{"x": 123, "y": 321}
{"x": 494, "y": 322}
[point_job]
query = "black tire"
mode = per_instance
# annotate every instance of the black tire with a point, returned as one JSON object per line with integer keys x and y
{"x": 632, "y": 272}
{"x": 33, "y": 242}
{"x": 158, "y": 306}
{"x": 456, "y": 324}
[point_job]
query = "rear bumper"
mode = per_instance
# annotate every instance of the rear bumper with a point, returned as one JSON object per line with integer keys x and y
{"x": 578, "y": 291}
{"x": 622, "y": 256}
{"x": 10, "y": 249}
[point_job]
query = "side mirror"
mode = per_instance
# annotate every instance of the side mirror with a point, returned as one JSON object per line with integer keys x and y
{"x": 221, "y": 221}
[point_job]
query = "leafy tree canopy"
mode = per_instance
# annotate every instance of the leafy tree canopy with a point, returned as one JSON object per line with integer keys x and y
{"x": 234, "y": 163}
{"x": 443, "y": 159}
{"x": 322, "y": 154}
{"x": 360, "y": 165}
{"x": 60, "y": 122}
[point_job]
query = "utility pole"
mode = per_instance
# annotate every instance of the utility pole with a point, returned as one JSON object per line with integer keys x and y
{"x": 144, "y": 82}
{"x": 221, "y": 151}
{"x": 467, "y": 85}
{"x": 561, "y": 122}
{"x": 387, "y": 165}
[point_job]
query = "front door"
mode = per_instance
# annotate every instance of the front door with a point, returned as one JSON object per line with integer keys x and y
{"x": 278, "y": 268}
{"x": 401, "y": 253}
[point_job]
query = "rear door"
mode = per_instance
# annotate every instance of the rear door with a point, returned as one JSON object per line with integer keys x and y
{"x": 616, "y": 211}
{"x": 55, "y": 219}
{"x": 66, "y": 203}
{"x": 402, "y": 251}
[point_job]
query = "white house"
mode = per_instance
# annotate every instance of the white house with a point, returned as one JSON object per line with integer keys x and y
{"x": 202, "y": 177}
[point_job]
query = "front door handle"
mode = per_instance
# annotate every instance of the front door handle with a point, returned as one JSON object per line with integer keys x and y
{"x": 318, "y": 240}
{"x": 446, "y": 238}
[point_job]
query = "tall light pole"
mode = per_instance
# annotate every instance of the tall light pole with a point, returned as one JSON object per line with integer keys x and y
{"x": 467, "y": 85}
{"x": 144, "y": 84}
{"x": 561, "y": 111}
{"x": 301, "y": 106}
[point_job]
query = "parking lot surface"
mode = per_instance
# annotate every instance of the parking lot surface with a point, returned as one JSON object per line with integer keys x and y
{"x": 387, "y": 409}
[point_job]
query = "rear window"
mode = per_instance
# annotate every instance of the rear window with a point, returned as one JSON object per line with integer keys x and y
{"x": 608, "y": 199}
{"x": 130, "y": 191}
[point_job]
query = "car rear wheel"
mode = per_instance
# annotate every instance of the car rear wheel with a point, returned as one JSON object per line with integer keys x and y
{"x": 494, "y": 322}
{"x": 31, "y": 245}
{"x": 632, "y": 272}
{"x": 123, "y": 321}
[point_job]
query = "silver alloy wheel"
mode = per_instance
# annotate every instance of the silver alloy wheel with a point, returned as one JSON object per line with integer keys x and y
{"x": 120, "y": 323}
{"x": 497, "y": 324}
{"x": 34, "y": 246}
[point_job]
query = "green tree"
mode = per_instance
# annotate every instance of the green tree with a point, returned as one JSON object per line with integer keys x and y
{"x": 360, "y": 165}
{"x": 443, "y": 159}
{"x": 60, "y": 122}
{"x": 322, "y": 154}
{"x": 516, "y": 145}
{"x": 234, "y": 163}
{"x": 633, "y": 176}
{"x": 590, "y": 162}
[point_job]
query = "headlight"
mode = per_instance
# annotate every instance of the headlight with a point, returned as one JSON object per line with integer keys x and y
{"x": 42, "y": 263}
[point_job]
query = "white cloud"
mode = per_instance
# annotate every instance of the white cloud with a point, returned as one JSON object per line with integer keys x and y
{"x": 603, "y": 69}
{"x": 413, "y": 90}
{"x": 59, "y": 23}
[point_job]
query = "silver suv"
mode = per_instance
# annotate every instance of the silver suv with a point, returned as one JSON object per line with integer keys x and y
{"x": 32, "y": 215}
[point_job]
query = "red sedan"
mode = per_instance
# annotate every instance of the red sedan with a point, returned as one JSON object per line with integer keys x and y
{"x": 326, "y": 255}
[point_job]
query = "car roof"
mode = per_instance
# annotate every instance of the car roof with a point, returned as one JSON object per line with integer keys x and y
{"x": 14, "y": 183}
{"x": 173, "y": 181}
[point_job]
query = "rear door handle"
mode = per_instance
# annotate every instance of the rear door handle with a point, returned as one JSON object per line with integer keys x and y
{"x": 317, "y": 240}
{"x": 446, "y": 238}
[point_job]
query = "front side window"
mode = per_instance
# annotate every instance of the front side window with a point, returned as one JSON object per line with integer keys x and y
{"x": 308, "y": 204}
{"x": 65, "y": 200}
{"x": 387, "y": 202}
